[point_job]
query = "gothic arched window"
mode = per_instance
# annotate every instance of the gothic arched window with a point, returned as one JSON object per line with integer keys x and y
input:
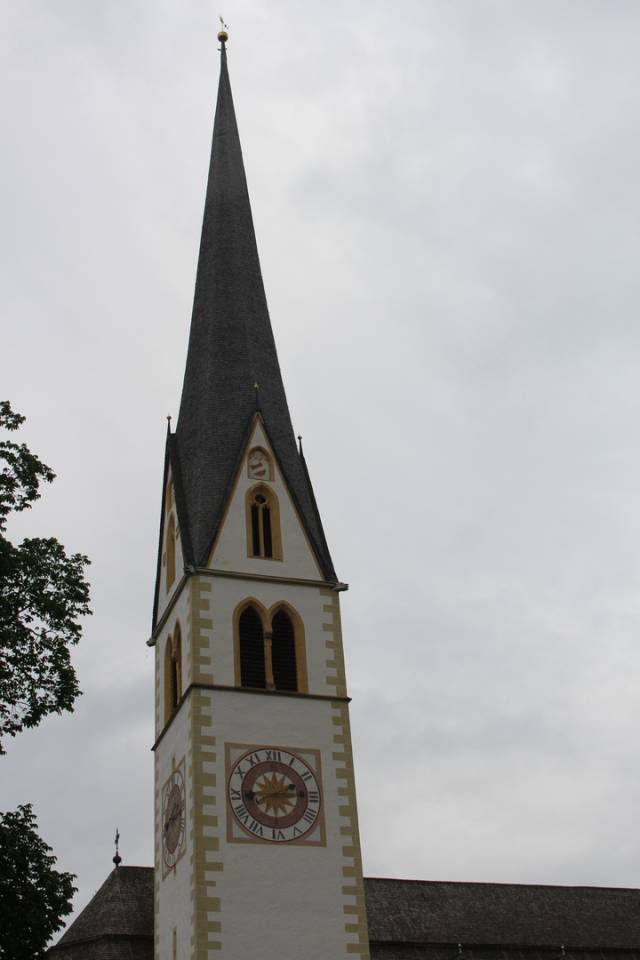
{"x": 252, "y": 652}
{"x": 172, "y": 673}
{"x": 269, "y": 648}
{"x": 176, "y": 673}
{"x": 263, "y": 524}
{"x": 170, "y": 551}
{"x": 283, "y": 652}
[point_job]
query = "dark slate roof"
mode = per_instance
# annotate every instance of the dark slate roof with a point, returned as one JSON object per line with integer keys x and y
{"x": 408, "y": 920}
{"x": 117, "y": 924}
{"x": 231, "y": 348}
{"x": 501, "y": 915}
{"x": 172, "y": 459}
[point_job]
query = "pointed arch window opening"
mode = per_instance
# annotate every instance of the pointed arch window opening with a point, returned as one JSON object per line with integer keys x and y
{"x": 175, "y": 696}
{"x": 261, "y": 527}
{"x": 269, "y": 658}
{"x": 173, "y": 674}
{"x": 283, "y": 652}
{"x": 252, "y": 652}
{"x": 263, "y": 524}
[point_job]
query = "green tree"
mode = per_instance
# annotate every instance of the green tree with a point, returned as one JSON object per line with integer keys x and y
{"x": 43, "y": 594}
{"x": 33, "y": 896}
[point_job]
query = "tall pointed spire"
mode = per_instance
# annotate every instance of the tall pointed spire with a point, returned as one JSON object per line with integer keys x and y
{"x": 232, "y": 354}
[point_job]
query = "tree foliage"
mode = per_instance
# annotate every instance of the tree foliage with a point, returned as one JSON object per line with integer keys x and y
{"x": 33, "y": 896}
{"x": 43, "y": 594}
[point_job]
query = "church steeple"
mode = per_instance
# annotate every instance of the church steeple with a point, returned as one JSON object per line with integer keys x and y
{"x": 253, "y": 767}
{"x": 232, "y": 365}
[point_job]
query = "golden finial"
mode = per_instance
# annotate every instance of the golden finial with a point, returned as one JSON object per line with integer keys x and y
{"x": 223, "y": 36}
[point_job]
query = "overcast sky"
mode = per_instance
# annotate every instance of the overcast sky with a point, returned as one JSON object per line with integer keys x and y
{"x": 447, "y": 205}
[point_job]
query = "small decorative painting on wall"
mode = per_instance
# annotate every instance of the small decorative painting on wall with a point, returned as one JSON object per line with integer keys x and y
{"x": 259, "y": 465}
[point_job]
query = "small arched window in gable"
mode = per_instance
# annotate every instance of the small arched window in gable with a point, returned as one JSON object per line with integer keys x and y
{"x": 283, "y": 652}
{"x": 252, "y": 665}
{"x": 170, "y": 551}
{"x": 263, "y": 524}
{"x": 172, "y": 674}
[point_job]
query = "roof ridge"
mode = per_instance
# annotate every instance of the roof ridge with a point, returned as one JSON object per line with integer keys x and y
{"x": 502, "y": 883}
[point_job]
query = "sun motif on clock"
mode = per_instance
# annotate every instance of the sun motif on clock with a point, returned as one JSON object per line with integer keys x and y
{"x": 173, "y": 819}
{"x": 274, "y": 795}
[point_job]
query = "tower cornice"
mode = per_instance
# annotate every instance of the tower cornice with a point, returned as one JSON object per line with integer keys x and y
{"x": 331, "y": 586}
{"x": 225, "y": 688}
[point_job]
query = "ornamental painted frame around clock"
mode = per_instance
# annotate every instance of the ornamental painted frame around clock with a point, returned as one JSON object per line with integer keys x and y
{"x": 173, "y": 813}
{"x": 274, "y": 795}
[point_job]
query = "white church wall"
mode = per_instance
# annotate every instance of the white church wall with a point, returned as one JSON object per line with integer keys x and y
{"x": 174, "y": 884}
{"x": 259, "y": 878}
{"x": 308, "y": 601}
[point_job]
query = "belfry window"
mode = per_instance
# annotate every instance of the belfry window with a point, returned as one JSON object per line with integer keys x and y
{"x": 252, "y": 665}
{"x": 283, "y": 652}
{"x": 172, "y": 673}
{"x": 263, "y": 524}
{"x": 270, "y": 650}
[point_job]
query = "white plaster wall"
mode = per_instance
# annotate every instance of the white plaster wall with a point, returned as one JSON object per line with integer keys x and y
{"x": 228, "y": 593}
{"x": 175, "y": 889}
{"x": 281, "y": 900}
{"x": 230, "y": 550}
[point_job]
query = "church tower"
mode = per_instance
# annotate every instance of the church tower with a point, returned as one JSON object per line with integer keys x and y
{"x": 257, "y": 852}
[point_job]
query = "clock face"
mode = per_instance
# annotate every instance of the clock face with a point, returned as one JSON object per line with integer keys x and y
{"x": 173, "y": 817}
{"x": 274, "y": 795}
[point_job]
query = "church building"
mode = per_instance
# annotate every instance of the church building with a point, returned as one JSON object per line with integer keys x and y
{"x": 257, "y": 848}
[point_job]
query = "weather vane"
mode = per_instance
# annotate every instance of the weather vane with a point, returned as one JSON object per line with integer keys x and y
{"x": 223, "y": 34}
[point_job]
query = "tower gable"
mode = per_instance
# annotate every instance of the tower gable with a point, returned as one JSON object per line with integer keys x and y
{"x": 261, "y": 531}
{"x": 174, "y": 546}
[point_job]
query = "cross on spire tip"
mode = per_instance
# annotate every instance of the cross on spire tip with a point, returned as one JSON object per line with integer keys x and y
{"x": 117, "y": 859}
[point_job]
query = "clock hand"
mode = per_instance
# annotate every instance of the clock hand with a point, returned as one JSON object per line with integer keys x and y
{"x": 175, "y": 813}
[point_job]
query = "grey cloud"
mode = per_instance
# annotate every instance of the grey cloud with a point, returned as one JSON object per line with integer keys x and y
{"x": 446, "y": 204}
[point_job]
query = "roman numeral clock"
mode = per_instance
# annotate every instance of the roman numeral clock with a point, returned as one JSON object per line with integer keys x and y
{"x": 274, "y": 795}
